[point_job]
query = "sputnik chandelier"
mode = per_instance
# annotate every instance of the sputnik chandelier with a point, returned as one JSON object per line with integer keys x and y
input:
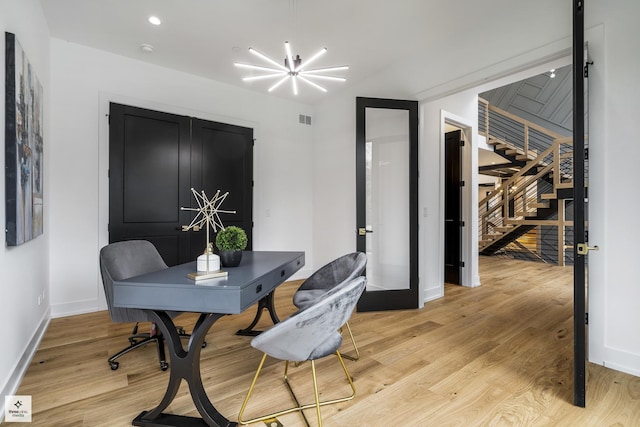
{"x": 294, "y": 69}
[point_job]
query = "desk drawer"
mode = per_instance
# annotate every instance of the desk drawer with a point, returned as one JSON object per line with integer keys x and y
{"x": 261, "y": 287}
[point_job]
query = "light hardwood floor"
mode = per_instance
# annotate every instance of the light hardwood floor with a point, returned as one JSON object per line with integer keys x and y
{"x": 497, "y": 355}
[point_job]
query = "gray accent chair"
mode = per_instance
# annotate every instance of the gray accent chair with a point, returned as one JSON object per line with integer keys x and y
{"x": 308, "y": 335}
{"x": 325, "y": 278}
{"x": 122, "y": 260}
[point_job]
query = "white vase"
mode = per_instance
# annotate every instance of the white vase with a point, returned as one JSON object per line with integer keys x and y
{"x": 208, "y": 262}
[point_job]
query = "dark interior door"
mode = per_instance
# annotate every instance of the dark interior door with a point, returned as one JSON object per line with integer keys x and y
{"x": 452, "y": 207}
{"x": 387, "y": 201}
{"x": 155, "y": 159}
{"x": 149, "y": 156}
{"x": 222, "y": 160}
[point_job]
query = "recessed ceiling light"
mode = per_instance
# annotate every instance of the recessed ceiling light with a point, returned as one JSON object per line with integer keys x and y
{"x": 146, "y": 48}
{"x": 155, "y": 20}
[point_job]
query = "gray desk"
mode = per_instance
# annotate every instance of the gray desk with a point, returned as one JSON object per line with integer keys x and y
{"x": 170, "y": 290}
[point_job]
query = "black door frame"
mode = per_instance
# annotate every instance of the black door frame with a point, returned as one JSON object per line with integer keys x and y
{"x": 392, "y": 299}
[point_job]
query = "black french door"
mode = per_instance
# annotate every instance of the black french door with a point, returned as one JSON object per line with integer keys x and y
{"x": 387, "y": 201}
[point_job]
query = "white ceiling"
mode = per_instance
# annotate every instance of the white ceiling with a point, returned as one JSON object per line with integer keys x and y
{"x": 205, "y": 37}
{"x": 418, "y": 43}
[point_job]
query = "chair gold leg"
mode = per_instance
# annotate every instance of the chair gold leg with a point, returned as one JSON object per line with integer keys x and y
{"x": 346, "y": 373}
{"x": 246, "y": 399}
{"x": 315, "y": 392}
{"x": 298, "y": 408}
{"x": 285, "y": 379}
{"x": 357, "y": 356}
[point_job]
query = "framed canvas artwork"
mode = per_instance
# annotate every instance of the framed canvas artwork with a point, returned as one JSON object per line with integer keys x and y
{"x": 23, "y": 146}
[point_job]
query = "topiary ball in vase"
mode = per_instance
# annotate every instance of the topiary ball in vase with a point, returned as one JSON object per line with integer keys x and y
{"x": 231, "y": 241}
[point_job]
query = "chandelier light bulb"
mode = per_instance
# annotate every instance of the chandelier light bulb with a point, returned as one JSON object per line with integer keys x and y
{"x": 327, "y": 69}
{"x": 265, "y": 76}
{"x": 259, "y": 68}
{"x": 319, "y": 76}
{"x": 313, "y": 58}
{"x": 309, "y": 82}
{"x": 266, "y": 58}
{"x": 284, "y": 79}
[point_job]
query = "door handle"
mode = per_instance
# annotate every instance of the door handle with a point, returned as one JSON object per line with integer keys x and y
{"x": 584, "y": 248}
{"x": 363, "y": 231}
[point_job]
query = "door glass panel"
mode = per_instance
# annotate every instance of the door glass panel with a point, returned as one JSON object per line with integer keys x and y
{"x": 387, "y": 199}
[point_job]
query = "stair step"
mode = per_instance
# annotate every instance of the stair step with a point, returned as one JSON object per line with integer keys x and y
{"x": 512, "y": 151}
{"x": 539, "y": 205}
{"x": 531, "y": 155}
{"x": 565, "y": 185}
{"x": 504, "y": 228}
{"x": 491, "y": 236}
{"x": 549, "y": 196}
{"x": 526, "y": 214}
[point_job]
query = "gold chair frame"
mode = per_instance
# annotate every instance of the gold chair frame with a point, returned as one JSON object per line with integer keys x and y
{"x": 355, "y": 347}
{"x": 299, "y": 407}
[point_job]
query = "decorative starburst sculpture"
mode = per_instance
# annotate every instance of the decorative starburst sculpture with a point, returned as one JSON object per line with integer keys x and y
{"x": 294, "y": 69}
{"x": 207, "y": 213}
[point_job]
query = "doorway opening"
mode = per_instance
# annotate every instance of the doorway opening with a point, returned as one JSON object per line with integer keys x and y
{"x": 453, "y": 223}
{"x": 525, "y": 208}
{"x": 458, "y": 250}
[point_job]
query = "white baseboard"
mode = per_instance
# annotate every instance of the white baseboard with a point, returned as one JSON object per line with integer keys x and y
{"x": 73, "y": 308}
{"x": 432, "y": 294}
{"x": 622, "y": 361}
{"x": 12, "y": 385}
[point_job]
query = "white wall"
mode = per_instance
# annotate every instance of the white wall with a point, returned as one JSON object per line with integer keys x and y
{"x": 84, "y": 81}
{"x": 24, "y": 268}
{"x": 614, "y": 103}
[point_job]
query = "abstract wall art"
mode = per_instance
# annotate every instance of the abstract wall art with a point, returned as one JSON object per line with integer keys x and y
{"x": 23, "y": 146}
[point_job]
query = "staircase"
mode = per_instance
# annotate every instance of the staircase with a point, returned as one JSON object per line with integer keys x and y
{"x": 536, "y": 183}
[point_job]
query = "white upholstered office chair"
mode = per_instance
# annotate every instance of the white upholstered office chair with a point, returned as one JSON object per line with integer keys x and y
{"x": 324, "y": 279}
{"x": 308, "y": 335}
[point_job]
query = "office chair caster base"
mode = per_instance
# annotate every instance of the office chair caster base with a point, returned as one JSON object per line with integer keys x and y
{"x": 164, "y": 365}
{"x": 114, "y": 365}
